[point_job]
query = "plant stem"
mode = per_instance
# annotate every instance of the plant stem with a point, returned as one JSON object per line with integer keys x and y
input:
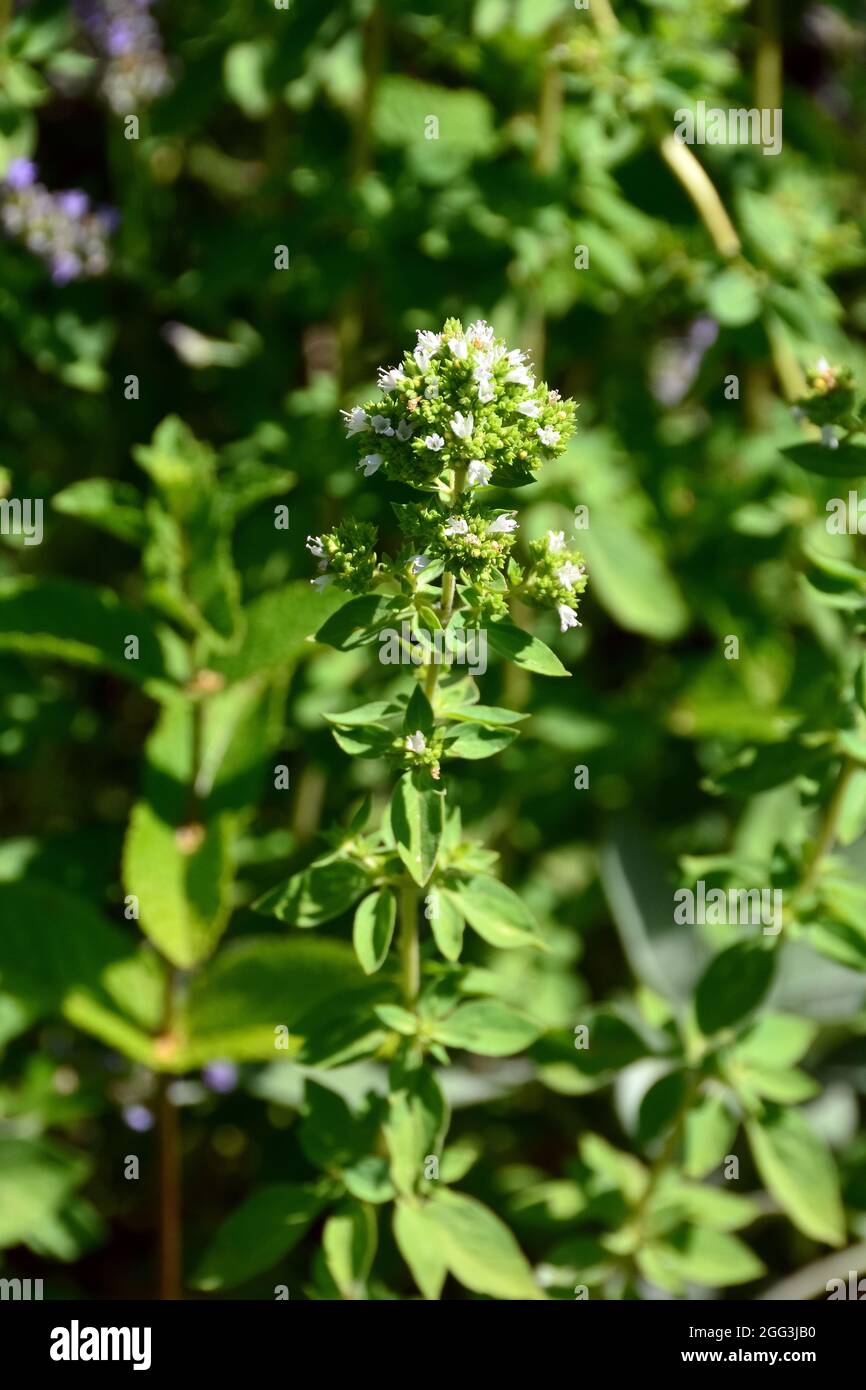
{"x": 170, "y": 1225}
{"x": 768, "y": 58}
{"x": 703, "y": 193}
{"x": 829, "y": 828}
{"x": 410, "y": 953}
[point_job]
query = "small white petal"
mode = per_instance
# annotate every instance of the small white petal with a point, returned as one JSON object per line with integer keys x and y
{"x": 503, "y": 525}
{"x": 555, "y": 541}
{"x": 322, "y": 582}
{"x": 416, "y": 743}
{"x": 463, "y": 425}
{"x": 405, "y": 429}
{"x": 434, "y": 442}
{"x": 529, "y": 408}
{"x": 567, "y": 617}
{"x": 356, "y": 420}
{"x": 369, "y": 463}
{"x": 314, "y": 545}
{"x": 478, "y": 474}
{"x": 457, "y": 526}
{"x": 548, "y": 437}
{"x": 382, "y": 424}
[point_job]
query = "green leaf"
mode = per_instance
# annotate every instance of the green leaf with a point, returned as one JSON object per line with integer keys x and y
{"x": 797, "y": 1168}
{"x": 418, "y": 714}
{"x": 58, "y": 953}
{"x": 317, "y": 894}
{"x": 241, "y": 1003}
{"x": 349, "y": 1244}
{"x": 474, "y": 743}
{"x": 417, "y": 821}
{"x": 710, "y": 1129}
{"x": 496, "y": 913}
{"x": 478, "y": 1249}
{"x": 415, "y": 1127}
{"x": 359, "y": 621}
{"x": 83, "y": 624}
{"x": 37, "y": 1177}
{"x": 733, "y": 985}
{"x": 373, "y": 929}
{"x": 446, "y": 923}
{"x": 660, "y": 1107}
{"x": 524, "y": 650}
{"x": 847, "y": 461}
{"x": 278, "y": 629}
{"x": 733, "y": 298}
{"x": 258, "y": 1233}
{"x": 419, "y": 1242}
{"x": 712, "y": 1259}
{"x": 487, "y": 1027}
{"x": 182, "y": 877}
{"x": 631, "y": 578}
{"x": 491, "y": 715}
{"x": 115, "y": 507}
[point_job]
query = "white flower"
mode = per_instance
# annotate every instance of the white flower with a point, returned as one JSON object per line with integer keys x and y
{"x": 480, "y": 333}
{"x": 828, "y": 438}
{"x": 429, "y": 342}
{"x": 314, "y": 545}
{"x": 434, "y": 442}
{"x": 530, "y": 408}
{"x": 382, "y": 425}
{"x": 422, "y": 357}
{"x": 432, "y": 391}
{"x": 390, "y": 378}
{"x": 459, "y": 348}
{"x": 569, "y": 574}
{"x": 485, "y": 360}
{"x": 463, "y": 425}
{"x": 503, "y": 525}
{"x": 567, "y": 617}
{"x": 485, "y": 387}
{"x": 405, "y": 429}
{"x": 356, "y": 420}
{"x": 417, "y": 563}
{"x": 416, "y": 743}
{"x": 548, "y": 436}
{"x": 457, "y": 526}
{"x": 822, "y": 365}
{"x": 369, "y": 463}
{"x": 555, "y": 541}
{"x": 522, "y": 376}
{"x": 322, "y": 582}
{"x": 478, "y": 474}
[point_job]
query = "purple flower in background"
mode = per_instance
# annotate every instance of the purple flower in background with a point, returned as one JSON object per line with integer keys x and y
{"x": 73, "y": 202}
{"x": 21, "y": 173}
{"x": 221, "y": 1077}
{"x": 135, "y": 71}
{"x": 677, "y": 361}
{"x": 138, "y": 1117}
{"x": 60, "y": 228}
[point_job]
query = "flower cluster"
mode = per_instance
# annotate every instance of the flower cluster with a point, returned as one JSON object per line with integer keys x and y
{"x": 346, "y": 555}
{"x": 464, "y": 537}
{"x": 135, "y": 69}
{"x": 829, "y": 401}
{"x": 461, "y": 404}
{"x": 557, "y": 578}
{"x": 61, "y": 228}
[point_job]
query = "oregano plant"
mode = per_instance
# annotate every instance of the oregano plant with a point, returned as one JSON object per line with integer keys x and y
{"x": 459, "y": 420}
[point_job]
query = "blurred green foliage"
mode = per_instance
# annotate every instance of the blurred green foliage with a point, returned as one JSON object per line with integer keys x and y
{"x": 514, "y": 160}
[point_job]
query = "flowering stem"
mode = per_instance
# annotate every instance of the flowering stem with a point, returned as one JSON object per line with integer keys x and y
{"x": 410, "y": 954}
{"x": 829, "y": 828}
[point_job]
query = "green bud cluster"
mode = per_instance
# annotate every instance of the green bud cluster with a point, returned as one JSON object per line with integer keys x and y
{"x": 460, "y": 401}
{"x": 831, "y": 396}
{"x": 346, "y": 555}
{"x": 556, "y": 578}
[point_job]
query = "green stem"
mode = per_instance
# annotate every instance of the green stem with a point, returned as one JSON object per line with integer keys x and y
{"x": 410, "y": 951}
{"x": 829, "y": 828}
